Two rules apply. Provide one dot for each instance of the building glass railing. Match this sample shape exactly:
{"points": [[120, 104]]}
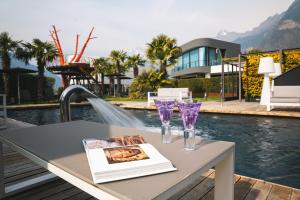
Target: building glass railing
{"points": [[201, 63]]}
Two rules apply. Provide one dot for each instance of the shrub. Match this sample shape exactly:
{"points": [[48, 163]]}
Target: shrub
{"points": [[147, 81], [252, 81], [209, 85]]}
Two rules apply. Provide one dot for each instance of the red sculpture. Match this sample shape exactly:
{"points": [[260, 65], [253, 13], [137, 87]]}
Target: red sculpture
{"points": [[76, 57]]}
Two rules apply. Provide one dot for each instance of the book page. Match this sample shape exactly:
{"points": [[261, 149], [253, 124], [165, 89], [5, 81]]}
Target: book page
{"points": [[100, 162], [113, 142]]}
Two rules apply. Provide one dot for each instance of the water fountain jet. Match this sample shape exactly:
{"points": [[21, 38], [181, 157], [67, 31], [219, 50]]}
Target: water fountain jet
{"points": [[107, 112]]}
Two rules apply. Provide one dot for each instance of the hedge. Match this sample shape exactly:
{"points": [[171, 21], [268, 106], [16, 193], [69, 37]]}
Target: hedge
{"points": [[209, 85], [252, 81]]}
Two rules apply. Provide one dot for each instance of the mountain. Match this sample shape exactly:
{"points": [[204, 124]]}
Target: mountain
{"points": [[280, 31], [264, 27], [287, 32], [18, 63]]}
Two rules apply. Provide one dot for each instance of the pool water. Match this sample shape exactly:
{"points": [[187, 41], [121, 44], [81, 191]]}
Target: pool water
{"points": [[266, 148]]}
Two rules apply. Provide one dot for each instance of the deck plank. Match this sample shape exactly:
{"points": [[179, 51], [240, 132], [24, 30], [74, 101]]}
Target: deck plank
{"points": [[184, 191], [25, 169], [16, 165], [211, 193], [64, 194], [259, 191], [279, 192], [243, 187], [40, 191], [295, 194], [24, 175], [201, 189], [80, 196], [27, 178]]}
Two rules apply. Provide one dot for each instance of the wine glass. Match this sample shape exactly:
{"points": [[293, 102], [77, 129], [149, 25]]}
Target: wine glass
{"points": [[189, 113], [165, 111]]}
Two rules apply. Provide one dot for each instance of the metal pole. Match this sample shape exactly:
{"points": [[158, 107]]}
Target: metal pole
{"points": [[281, 57], [19, 96], [240, 78], [222, 84], [232, 81], [228, 86]]}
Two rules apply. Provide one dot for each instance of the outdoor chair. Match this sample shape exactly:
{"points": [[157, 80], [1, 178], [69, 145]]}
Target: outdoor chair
{"points": [[285, 96], [169, 93]]}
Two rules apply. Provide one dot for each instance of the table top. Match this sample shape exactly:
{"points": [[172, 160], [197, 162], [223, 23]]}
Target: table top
{"points": [[61, 145]]}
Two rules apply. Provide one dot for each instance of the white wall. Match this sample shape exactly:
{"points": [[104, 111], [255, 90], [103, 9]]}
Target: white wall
{"points": [[217, 69]]}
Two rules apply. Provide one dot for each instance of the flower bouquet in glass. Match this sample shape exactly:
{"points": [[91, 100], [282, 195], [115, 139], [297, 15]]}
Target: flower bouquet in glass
{"points": [[165, 111], [189, 113]]}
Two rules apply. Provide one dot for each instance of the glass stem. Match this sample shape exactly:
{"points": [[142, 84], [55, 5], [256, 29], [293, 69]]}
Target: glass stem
{"points": [[166, 133], [189, 139]]}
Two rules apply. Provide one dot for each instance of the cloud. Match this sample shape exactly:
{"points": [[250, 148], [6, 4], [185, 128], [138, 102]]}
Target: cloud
{"points": [[130, 24]]}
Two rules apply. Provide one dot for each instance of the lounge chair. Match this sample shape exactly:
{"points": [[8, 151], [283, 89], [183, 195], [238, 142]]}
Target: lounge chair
{"points": [[169, 93], [285, 96]]}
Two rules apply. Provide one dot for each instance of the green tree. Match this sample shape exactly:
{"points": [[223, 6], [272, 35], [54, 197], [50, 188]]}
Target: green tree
{"points": [[43, 52], [255, 51], [104, 67], [147, 81], [163, 51], [8, 47], [134, 62], [118, 58]]}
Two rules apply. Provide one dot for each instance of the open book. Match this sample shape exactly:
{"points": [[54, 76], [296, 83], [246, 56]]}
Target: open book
{"points": [[124, 157]]}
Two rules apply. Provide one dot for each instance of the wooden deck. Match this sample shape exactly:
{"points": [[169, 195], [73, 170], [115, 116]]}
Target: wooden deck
{"points": [[18, 168]]}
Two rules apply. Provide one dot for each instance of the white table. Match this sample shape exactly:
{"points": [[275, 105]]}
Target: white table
{"points": [[58, 148]]}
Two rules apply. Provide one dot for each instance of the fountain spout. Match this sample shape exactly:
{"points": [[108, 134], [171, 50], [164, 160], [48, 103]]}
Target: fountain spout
{"points": [[65, 110]]}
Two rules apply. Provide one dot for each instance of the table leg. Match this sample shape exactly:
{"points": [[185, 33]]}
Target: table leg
{"points": [[2, 186], [224, 178]]}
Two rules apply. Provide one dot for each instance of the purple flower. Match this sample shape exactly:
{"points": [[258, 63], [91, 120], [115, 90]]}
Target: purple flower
{"points": [[189, 114], [165, 110]]}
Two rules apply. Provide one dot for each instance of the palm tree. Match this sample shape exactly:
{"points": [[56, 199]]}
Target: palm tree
{"points": [[103, 66], [118, 58], [163, 51], [147, 81], [7, 47], [135, 61], [43, 52]]}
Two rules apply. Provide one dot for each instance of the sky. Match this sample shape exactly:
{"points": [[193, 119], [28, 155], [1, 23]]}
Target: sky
{"points": [[130, 24]]}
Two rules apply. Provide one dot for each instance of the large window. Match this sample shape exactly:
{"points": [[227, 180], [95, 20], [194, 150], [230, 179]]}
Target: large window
{"points": [[179, 64], [194, 58], [202, 56], [199, 57], [186, 60], [212, 56]]}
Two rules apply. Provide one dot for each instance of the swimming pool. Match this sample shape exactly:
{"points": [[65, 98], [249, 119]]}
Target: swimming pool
{"points": [[266, 148]]}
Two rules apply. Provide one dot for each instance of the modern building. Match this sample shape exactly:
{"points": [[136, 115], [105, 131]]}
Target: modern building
{"points": [[203, 58]]}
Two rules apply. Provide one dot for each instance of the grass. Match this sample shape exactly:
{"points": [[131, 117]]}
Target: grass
{"points": [[122, 99], [208, 99]]}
